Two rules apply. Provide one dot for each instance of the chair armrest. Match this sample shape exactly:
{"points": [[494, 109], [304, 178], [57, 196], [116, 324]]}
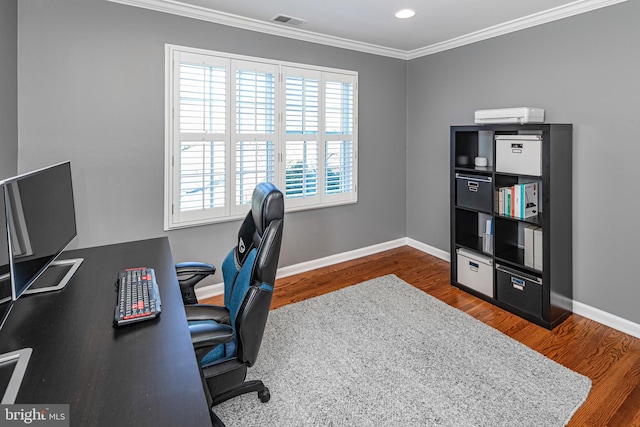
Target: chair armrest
{"points": [[189, 274], [192, 267], [210, 334], [207, 335], [207, 312]]}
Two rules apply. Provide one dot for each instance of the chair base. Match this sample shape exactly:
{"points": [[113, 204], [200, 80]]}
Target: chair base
{"points": [[246, 387], [227, 380]]}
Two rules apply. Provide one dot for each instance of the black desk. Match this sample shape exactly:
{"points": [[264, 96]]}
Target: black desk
{"points": [[142, 374]]}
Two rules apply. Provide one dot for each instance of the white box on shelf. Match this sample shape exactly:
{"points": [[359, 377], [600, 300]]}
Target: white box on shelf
{"points": [[520, 154], [475, 271], [510, 115]]}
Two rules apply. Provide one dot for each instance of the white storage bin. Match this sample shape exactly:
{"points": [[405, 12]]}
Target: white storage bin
{"points": [[521, 154], [475, 271]]}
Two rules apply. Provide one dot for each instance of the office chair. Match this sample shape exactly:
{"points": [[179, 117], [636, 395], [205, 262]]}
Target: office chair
{"points": [[227, 339]]}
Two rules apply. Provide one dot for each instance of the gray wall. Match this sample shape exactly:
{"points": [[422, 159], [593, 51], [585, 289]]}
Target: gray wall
{"points": [[101, 100], [100, 104], [8, 88], [582, 70]]}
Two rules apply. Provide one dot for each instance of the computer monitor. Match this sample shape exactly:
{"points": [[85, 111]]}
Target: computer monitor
{"points": [[40, 223]]}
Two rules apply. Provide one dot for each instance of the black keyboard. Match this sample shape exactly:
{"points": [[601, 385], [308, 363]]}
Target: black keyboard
{"points": [[138, 296]]}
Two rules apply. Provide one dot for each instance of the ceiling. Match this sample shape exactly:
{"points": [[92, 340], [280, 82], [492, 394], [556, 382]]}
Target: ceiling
{"points": [[370, 25]]}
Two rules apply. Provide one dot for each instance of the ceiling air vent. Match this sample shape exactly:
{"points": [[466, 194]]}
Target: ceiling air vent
{"points": [[289, 20]]}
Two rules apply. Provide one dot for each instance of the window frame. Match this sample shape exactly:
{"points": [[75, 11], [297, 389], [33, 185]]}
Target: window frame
{"points": [[174, 218]]}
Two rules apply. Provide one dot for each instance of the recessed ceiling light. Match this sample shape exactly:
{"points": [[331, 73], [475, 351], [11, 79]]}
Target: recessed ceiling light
{"points": [[405, 13]]}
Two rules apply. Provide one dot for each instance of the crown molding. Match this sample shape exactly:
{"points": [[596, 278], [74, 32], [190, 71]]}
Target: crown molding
{"points": [[204, 14], [555, 14], [196, 12]]}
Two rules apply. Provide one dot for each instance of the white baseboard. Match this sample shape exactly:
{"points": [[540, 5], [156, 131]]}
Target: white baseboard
{"points": [[438, 253], [218, 288], [303, 267], [607, 319], [209, 291], [595, 314]]}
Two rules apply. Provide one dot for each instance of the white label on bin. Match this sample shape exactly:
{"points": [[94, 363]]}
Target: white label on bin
{"points": [[518, 283]]}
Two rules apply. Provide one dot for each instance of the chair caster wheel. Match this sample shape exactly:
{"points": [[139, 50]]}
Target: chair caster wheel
{"points": [[264, 395]]}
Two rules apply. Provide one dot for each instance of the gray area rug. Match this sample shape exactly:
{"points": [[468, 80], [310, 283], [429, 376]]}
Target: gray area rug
{"points": [[385, 353]]}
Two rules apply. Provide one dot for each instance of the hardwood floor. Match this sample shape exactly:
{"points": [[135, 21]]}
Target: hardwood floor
{"points": [[609, 357]]}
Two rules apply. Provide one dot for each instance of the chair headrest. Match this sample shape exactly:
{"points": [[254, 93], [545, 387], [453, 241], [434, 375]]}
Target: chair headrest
{"points": [[267, 204]]}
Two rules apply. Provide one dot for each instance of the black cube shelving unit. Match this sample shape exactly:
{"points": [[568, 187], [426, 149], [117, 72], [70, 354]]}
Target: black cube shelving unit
{"points": [[551, 301]]}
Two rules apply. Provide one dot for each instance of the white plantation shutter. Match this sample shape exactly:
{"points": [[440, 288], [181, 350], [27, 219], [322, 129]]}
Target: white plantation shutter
{"points": [[339, 147], [301, 173], [233, 122], [203, 98], [202, 175], [302, 130], [302, 102], [200, 112], [338, 167], [255, 123], [254, 164]]}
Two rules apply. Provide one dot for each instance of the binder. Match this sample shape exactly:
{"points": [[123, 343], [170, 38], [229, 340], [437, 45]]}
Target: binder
{"points": [[537, 248], [528, 246]]}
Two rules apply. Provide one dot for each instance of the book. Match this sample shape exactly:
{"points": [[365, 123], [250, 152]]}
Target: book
{"points": [[529, 199], [507, 202], [517, 201], [513, 202]]}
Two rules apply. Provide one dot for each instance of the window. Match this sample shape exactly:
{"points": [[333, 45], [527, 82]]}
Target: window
{"points": [[233, 122]]}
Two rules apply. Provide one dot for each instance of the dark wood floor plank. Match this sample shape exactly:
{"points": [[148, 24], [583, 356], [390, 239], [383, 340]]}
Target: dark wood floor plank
{"points": [[609, 357]]}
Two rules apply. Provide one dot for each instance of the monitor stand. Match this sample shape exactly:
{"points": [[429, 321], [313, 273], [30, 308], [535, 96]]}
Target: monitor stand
{"points": [[13, 366], [58, 272], [6, 303]]}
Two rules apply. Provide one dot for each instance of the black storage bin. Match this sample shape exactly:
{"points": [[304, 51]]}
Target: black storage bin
{"points": [[474, 192], [520, 290]]}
